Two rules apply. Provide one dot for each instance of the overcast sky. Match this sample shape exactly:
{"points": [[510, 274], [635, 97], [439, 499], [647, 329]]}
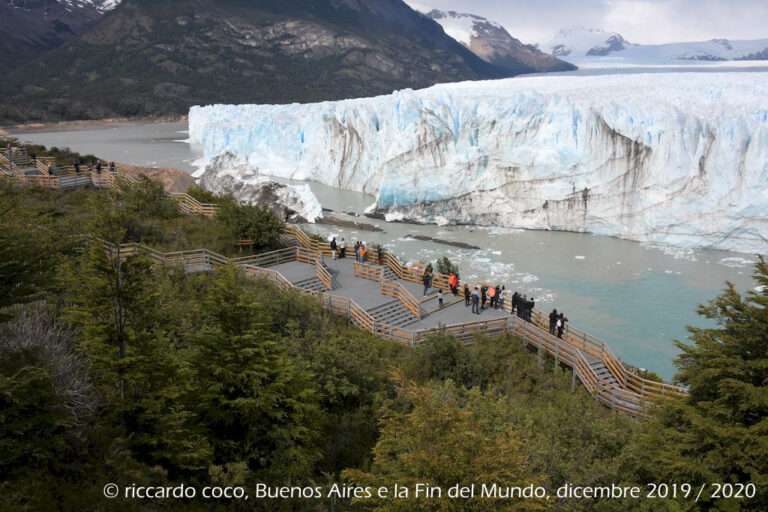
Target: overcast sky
{"points": [[639, 21]]}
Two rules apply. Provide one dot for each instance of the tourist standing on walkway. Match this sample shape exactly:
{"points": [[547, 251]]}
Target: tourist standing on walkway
{"points": [[529, 309], [515, 303], [342, 249], [492, 295], [453, 282], [426, 278], [112, 167], [553, 321], [522, 301], [440, 298], [561, 325], [333, 247], [380, 254], [362, 253], [475, 302], [467, 295], [501, 296], [483, 296]]}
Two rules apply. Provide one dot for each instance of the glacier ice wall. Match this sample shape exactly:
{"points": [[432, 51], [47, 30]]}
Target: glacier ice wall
{"points": [[678, 158]]}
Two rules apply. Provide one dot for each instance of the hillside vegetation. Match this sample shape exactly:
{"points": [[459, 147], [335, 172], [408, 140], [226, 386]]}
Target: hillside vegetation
{"points": [[132, 374]]}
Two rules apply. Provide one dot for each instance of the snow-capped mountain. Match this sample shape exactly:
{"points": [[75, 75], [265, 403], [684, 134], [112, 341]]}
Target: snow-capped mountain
{"points": [[713, 50], [31, 28], [678, 158], [580, 41], [99, 5], [492, 43]]}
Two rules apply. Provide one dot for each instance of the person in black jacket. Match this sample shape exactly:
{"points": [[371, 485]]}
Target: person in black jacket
{"points": [[333, 247], [553, 321], [467, 295], [426, 278], [561, 325]]}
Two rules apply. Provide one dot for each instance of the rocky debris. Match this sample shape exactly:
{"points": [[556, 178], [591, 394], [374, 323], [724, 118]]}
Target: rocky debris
{"points": [[460, 245], [362, 226]]}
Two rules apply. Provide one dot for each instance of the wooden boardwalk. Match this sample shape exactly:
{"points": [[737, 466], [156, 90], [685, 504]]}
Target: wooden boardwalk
{"points": [[387, 309], [385, 300]]}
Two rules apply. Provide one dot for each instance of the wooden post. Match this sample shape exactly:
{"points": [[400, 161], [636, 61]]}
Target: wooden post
{"points": [[538, 355], [573, 379]]}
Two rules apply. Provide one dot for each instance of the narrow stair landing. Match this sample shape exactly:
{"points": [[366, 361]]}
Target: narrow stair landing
{"points": [[393, 313]]}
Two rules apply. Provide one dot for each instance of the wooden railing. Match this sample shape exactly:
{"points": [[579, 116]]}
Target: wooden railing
{"points": [[43, 164], [398, 291], [192, 206], [267, 259], [323, 274], [467, 332], [366, 271], [305, 255]]}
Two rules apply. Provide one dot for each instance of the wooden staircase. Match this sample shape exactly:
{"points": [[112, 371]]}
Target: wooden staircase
{"points": [[393, 313], [312, 283]]}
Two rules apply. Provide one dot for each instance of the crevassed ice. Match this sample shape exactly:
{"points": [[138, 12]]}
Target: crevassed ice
{"points": [[675, 158]]}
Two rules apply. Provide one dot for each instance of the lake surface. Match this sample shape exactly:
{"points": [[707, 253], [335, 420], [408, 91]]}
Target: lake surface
{"points": [[636, 297]]}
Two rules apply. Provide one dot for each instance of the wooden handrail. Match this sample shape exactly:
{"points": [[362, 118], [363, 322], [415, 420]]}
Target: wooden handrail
{"points": [[398, 291], [366, 271], [322, 274]]}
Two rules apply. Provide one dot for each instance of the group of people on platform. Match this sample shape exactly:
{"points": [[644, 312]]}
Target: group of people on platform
{"points": [[339, 251], [493, 296], [91, 167]]}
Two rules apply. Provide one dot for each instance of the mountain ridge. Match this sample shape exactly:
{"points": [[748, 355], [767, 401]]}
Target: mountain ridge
{"points": [[582, 42], [493, 43], [31, 28], [147, 58]]}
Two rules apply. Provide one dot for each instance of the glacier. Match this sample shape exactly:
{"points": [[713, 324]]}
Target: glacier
{"points": [[672, 158]]}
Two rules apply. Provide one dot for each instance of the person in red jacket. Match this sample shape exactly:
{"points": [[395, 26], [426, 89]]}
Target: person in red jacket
{"points": [[453, 282]]}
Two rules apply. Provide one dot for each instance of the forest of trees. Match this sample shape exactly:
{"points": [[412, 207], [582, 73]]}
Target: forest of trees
{"points": [[126, 373]]}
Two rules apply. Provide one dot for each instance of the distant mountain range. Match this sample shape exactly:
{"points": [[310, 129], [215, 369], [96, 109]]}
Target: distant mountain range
{"points": [[579, 42], [31, 28], [582, 42], [149, 57], [491, 42]]}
